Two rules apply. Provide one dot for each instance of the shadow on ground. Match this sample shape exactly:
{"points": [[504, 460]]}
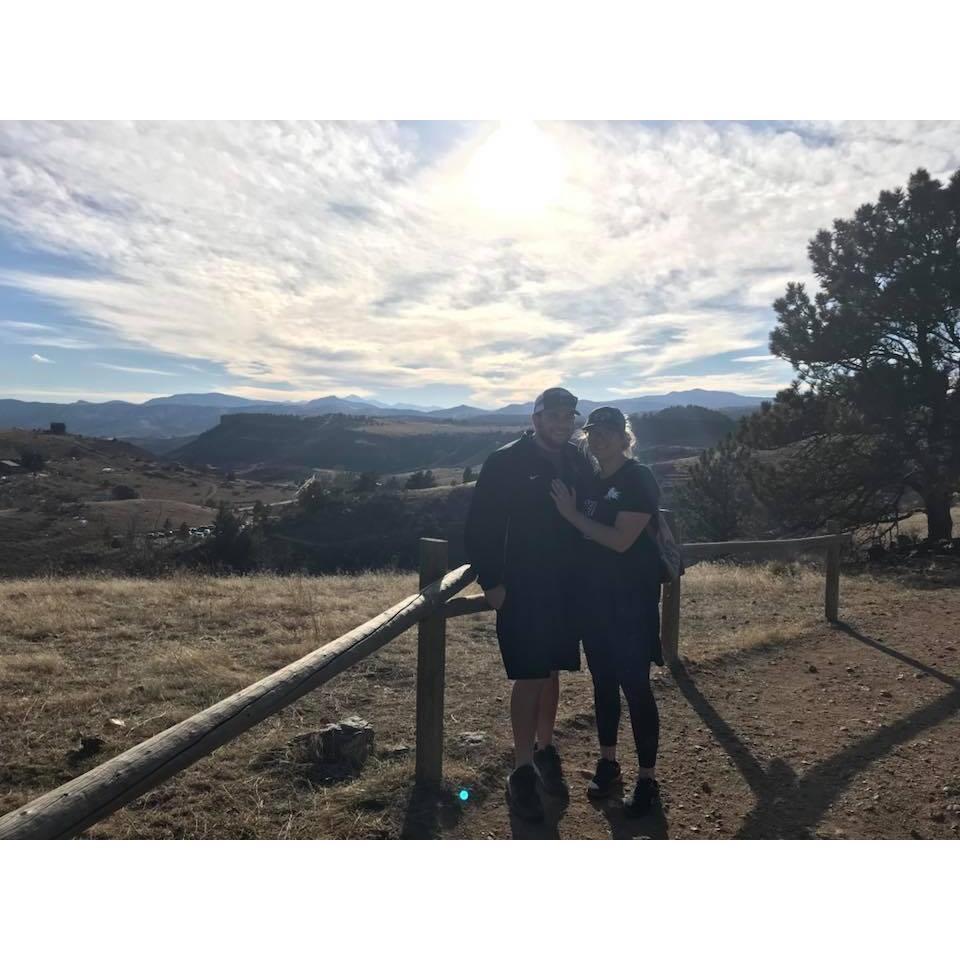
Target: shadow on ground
{"points": [[548, 830], [654, 826], [791, 807], [431, 811]]}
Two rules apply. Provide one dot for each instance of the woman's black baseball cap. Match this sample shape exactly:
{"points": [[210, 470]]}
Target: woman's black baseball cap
{"points": [[606, 417]]}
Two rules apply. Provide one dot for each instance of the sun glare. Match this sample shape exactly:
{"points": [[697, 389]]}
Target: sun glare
{"points": [[517, 171]]}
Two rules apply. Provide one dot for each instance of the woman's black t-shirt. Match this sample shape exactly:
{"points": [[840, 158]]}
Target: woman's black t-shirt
{"points": [[633, 489]]}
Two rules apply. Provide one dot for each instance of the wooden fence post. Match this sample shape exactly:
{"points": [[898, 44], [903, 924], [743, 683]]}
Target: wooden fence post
{"points": [[831, 600], [431, 661], [670, 608]]}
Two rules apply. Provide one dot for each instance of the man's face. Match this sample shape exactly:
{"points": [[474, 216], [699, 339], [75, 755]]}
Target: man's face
{"points": [[554, 427]]}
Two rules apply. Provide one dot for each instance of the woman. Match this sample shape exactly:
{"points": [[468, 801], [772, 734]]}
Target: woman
{"points": [[617, 515]]}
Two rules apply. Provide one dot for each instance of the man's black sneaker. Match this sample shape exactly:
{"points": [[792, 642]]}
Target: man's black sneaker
{"points": [[645, 795], [522, 794], [605, 779], [547, 764]]}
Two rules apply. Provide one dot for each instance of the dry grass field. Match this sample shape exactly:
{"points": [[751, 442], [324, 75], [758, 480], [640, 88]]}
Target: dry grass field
{"points": [[147, 514], [778, 725], [916, 525]]}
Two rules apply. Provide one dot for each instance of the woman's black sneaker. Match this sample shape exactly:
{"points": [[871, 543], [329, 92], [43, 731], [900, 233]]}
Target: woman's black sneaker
{"points": [[547, 764], [522, 794], [605, 779], [645, 794]]}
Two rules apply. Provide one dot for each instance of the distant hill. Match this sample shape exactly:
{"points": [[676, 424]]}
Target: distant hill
{"points": [[688, 426], [296, 445], [396, 406], [202, 400], [462, 412], [330, 404], [334, 441], [189, 414], [157, 445], [710, 399], [112, 419], [67, 517]]}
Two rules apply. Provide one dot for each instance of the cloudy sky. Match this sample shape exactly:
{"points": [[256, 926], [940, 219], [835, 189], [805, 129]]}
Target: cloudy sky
{"points": [[435, 263]]}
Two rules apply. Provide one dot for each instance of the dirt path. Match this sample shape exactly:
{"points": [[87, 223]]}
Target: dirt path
{"points": [[852, 731]]}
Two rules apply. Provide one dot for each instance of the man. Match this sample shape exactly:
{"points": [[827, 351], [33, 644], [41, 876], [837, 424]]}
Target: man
{"points": [[524, 554]]}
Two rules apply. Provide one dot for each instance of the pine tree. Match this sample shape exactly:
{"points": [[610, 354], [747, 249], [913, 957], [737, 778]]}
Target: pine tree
{"points": [[878, 346]]}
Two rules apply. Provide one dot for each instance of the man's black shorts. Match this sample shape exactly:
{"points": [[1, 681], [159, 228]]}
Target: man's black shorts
{"points": [[538, 630]]}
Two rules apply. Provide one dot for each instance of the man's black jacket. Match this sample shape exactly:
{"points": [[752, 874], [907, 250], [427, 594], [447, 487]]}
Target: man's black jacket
{"points": [[514, 533]]}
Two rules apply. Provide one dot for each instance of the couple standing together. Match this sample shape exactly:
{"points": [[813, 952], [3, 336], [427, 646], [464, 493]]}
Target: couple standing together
{"points": [[563, 541]]}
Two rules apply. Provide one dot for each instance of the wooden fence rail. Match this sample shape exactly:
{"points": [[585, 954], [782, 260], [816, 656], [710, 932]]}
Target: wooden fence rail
{"points": [[89, 798], [757, 550], [71, 808]]}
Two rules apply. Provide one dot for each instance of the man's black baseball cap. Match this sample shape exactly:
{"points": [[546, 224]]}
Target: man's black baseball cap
{"points": [[606, 417], [556, 398]]}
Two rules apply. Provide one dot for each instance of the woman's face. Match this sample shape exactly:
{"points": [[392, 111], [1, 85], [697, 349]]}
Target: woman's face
{"points": [[604, 443]]}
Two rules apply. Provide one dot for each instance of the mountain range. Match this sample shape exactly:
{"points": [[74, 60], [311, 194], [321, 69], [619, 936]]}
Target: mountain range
{"points": [[188, 414]]}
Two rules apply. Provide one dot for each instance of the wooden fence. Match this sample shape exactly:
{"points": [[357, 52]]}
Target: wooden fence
{"points": [[69, 809], [752, 550]]}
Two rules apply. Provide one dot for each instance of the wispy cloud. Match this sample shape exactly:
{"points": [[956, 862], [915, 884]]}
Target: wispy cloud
{"points": [[348, 258], [734, 382], [38, 359], [147, 370], [55, 340], [23, 325]]}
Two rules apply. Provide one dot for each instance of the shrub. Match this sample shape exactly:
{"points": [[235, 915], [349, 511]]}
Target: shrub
{"points": [[420, 480], [231, 546], [717, 503], [311, 495], [367, 482]]}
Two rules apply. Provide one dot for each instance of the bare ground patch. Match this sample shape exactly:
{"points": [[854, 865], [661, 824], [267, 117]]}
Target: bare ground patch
{"points": [[148, 514]]}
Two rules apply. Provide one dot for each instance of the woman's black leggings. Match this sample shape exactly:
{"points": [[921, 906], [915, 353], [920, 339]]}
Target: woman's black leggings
{"points": [[619, 659]]}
